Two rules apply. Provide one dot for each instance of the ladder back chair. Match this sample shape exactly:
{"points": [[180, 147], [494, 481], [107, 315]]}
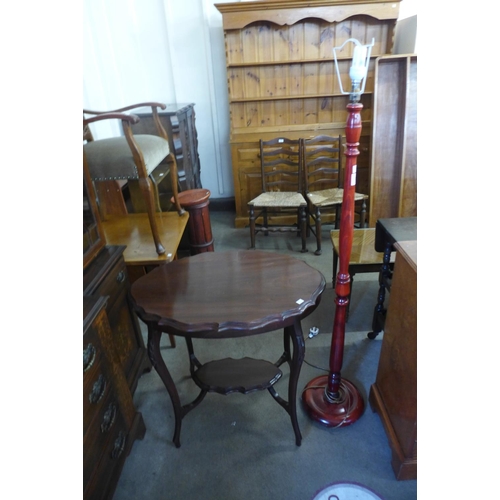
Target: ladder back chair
{"points": [[131, 157], [321, 158], [281, 190]]}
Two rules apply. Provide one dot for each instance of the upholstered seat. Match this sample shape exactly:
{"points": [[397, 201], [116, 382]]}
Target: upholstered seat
{"points": [[112, 159]]}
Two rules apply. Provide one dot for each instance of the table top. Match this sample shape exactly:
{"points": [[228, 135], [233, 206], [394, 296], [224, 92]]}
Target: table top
{"points": [[228, 294], [134, 232], [393, 230], [363, 246], [408, 250]]}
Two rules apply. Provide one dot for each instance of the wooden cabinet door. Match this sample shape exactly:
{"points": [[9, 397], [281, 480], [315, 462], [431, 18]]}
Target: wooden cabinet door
{"points": [[247, 177]]}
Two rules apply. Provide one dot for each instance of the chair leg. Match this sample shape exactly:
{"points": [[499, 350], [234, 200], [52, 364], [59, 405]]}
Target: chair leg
{"points": [[147, 191], [362, 216], [309, 219], [252, 226], [337, 216], [318, 232], [303, 227], [156, 194], [174, 179], [266, 222], [335, 264]]}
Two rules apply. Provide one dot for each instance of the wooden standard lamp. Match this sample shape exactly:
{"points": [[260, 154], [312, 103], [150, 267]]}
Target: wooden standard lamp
{"points": [[329, 399]]}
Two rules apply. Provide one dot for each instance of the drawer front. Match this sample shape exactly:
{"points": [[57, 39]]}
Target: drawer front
{"points": [[92, 354], [113, 283], [103, 428], [103, 451], [124, 333], [96, 377], [122, 320]]}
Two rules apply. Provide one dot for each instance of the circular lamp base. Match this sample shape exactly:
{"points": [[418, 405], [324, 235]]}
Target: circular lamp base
{"points": [[340, 413]]}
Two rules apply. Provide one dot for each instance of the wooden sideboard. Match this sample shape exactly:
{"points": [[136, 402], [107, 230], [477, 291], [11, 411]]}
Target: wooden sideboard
{"points": [[282, 81], [394, 394]]}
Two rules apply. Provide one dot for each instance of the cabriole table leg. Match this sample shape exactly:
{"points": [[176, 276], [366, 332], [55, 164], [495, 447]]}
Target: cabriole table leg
{"points": [[159, 365]]}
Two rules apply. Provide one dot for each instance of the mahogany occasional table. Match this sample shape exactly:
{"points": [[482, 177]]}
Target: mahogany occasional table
{"points": [[218, 295]]}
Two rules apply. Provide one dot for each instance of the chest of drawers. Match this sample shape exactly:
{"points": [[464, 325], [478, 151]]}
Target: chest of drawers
{"points": [[110, 422], [114, 359], [107, 276]]}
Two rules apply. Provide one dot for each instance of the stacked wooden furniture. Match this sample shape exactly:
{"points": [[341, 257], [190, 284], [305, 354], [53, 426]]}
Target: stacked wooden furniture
{"points": [[282, 80], [114, 357], [120, 197], [393, 185], [149, 235]]}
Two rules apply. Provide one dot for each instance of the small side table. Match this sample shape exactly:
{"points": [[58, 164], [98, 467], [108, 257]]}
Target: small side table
{"points": [[221, 295], [364, 258], [195, 202]]}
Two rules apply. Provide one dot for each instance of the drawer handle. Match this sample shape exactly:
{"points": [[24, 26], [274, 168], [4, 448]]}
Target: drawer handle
{"points": [[120, 278], [119, 445], [98, 389], [109, 418], [88, 357]]}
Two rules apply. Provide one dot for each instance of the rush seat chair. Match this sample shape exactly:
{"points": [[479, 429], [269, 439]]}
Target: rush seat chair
{"points": [[323, 183], [281, 194]]}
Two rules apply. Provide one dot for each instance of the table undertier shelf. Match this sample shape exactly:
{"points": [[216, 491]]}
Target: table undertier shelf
{"points": [[244, 375]]}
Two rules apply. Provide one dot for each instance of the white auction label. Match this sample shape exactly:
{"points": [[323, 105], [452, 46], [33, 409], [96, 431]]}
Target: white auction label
{"points": [[353, 175]]}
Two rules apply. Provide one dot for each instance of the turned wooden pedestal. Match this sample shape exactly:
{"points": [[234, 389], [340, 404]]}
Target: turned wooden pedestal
{"points": [[195, 202]]}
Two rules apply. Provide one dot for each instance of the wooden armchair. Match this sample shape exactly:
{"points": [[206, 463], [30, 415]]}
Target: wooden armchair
{"points": [[131, 157]]}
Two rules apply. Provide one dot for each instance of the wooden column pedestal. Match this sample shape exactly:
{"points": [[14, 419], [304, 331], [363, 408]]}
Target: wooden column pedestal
{"points": [[195, 202]]}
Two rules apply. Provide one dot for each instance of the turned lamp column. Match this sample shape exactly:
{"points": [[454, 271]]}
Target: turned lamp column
{"points": [[330, 399]]}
